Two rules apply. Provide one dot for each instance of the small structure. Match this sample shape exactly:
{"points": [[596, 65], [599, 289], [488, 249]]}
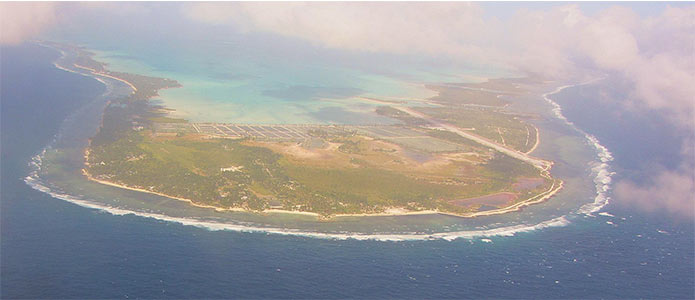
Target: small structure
{"points": [[232, 169]]}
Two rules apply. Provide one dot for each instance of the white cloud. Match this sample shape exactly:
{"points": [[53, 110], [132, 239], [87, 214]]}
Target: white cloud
{"points": [[656, 54], [670, 191], [383, 27], [22, 21], [121, 8]]}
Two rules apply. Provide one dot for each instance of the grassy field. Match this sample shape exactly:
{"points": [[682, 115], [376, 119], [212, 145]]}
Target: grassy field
{"points": [[331, 174], [456, 96], [496, 126], [356, 175]]}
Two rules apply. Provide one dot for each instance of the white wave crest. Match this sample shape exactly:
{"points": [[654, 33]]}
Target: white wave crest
{"points": [[601, 172], [37, 184], [34, 180], [601, 169]]}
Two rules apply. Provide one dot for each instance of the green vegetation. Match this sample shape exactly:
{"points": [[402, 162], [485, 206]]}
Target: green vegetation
{"points": [[452, 137], [147, 86], [407, 119], [257, 176], [331, 173], [457, 96], [167, 120], [360, 190], [502, 128]]}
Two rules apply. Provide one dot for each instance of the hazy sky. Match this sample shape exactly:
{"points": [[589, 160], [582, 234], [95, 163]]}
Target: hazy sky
{"points": [[651, 46]]}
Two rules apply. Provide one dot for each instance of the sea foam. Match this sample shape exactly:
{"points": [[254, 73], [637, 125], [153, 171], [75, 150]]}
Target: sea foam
{"points": [[37, 184], [600, 171]]}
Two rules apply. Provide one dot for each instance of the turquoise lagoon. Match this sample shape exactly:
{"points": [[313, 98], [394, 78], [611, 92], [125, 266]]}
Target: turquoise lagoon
{"points": [[579, 160], [232, 77], [243, 79], [217, 88]]}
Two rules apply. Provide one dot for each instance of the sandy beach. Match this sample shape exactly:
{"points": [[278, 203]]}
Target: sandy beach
{"points": [[388, 212], [391, 211], [95, 72], [538, 141]]}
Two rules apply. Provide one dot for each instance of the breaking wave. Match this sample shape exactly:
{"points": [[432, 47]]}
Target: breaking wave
{"points": [[600, 170], [35, 182]]}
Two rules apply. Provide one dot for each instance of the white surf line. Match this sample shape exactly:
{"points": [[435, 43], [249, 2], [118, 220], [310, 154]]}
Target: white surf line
{"points": [[538, 163], [538, 140], [602, 172], [517, 206], [35, 182], [95, 72]]}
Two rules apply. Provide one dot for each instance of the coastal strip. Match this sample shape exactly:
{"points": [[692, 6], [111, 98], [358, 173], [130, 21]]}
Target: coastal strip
{"points": [[34, 181], [95, 72], [602, 170], [538, 141], [554, 188], [388, 211], [541, 164]]}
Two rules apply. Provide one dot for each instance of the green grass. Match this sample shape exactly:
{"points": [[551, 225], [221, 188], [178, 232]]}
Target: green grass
{"points": [[191, 169], [486, 123], [167, 120], [369, 186], [454, 96]]}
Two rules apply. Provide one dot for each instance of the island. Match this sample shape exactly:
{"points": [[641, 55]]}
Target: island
{"points": [[461, 153]]}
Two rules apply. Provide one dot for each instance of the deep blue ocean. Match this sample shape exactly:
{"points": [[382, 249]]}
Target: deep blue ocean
{"points": [[51, 248]]}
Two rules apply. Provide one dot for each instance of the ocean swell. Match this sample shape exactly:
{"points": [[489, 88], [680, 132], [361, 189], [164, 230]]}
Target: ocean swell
{"points": [[35, 182], [600, 169], [601, 172]]}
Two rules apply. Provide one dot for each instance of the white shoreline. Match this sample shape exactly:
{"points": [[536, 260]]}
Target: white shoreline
{"points": [[538, 140], [216, 226], [34, 181], [602, 172], [95, 72], [515, 207], [512, 208]]}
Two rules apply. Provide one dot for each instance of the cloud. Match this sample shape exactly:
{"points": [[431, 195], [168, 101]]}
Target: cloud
{"points": [[22, 21], [670, 191], [382, 27], [656, 54], [120, 9]]}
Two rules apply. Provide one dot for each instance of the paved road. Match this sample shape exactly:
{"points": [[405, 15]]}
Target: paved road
{"points": [[536, 162]]}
